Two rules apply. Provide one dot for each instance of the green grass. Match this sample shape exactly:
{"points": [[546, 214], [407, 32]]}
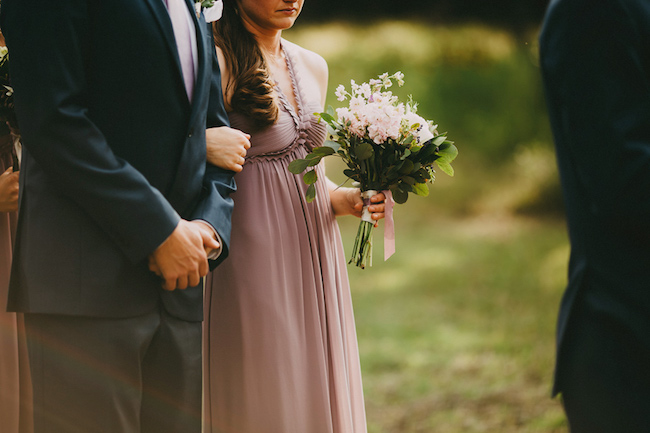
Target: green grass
{"points": [[457, 329]]}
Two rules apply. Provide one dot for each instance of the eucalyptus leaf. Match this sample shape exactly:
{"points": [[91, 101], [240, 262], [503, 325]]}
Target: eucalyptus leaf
{"points": [[407, 167], [297, 166], [399, 196], [409, 180], [437, 141], [328, 118], [310, 195], [363, 150], [447, 151], [323, 151], [445, 167], [405, 187], [335, 146], [314, 162], [421, 189], [310, 177]]}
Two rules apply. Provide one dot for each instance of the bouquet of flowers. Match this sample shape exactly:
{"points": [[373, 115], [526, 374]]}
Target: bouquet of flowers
{"points": [[386, 146]]}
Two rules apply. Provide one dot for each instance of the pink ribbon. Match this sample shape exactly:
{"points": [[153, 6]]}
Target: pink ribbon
{"points": [[389, 225]]}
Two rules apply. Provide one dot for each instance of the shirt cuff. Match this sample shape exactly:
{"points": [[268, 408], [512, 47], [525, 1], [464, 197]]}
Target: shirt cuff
{"points": [[214, 254]]}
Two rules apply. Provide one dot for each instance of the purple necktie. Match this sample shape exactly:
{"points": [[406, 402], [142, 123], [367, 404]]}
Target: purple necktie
{"points": [[185, 40]]}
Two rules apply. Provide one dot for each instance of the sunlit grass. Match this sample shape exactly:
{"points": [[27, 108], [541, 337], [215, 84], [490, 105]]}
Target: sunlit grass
{"points": [[456, 331]]}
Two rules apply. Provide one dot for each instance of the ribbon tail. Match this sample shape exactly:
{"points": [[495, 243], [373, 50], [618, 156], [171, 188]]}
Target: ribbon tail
{"points": [[389, 226]]}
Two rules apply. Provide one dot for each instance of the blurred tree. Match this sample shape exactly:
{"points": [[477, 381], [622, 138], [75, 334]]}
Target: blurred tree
{"points": [[515, 14]]}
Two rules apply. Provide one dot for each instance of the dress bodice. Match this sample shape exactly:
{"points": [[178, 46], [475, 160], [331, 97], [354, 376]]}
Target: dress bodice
{"points": [[292, 130]]}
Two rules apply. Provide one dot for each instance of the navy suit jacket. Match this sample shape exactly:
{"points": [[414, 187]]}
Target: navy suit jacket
{"points": [[595, 58], [114, 154]]}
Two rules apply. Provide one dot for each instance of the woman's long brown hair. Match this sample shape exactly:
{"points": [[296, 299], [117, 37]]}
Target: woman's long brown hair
{"points": [[249, 83]]}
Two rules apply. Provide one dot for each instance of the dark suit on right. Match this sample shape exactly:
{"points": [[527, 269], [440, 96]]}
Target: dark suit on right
{"points": [[595, 58]]}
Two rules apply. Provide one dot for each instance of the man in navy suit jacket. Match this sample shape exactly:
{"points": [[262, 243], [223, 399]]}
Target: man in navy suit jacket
{"points": [[114, 180], [595, 58]]}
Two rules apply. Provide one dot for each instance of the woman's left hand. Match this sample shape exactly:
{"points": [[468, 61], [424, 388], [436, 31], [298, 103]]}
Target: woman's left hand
{"points": [[348, 201]]}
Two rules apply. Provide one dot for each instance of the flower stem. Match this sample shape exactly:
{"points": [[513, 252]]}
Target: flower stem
{"points": [[362, 249]]}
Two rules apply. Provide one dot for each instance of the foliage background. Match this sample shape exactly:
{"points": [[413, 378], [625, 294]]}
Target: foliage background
{"points": [[456, 331]]}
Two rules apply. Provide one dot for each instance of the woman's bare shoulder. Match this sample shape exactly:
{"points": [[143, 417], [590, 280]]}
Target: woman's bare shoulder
{"points": [[311, 60]]}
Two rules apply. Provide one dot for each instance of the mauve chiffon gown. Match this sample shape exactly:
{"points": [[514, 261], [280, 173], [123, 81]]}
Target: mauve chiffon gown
{"points": [[15, 384], [281, 351]]}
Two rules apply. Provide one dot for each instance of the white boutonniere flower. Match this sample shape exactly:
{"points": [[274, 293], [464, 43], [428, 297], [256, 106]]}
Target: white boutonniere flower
{"points": [[212, 9]]}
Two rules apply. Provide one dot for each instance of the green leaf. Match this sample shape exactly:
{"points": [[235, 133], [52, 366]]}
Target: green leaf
{"points": [[310, 177], [314, 162], [439, 140], [331, 111], [421, 189], [363, 150], [447, 152], [323, 151], [447, 147], [407, 167], [310, 195], [335, 146], [328, 118], [445, 167], [409, 180], [399, 196], [297, 166], [407, 153], [405, 187]]}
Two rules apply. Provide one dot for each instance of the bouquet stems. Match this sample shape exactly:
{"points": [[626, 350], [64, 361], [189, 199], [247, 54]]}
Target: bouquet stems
{"points": [[362, 249]]}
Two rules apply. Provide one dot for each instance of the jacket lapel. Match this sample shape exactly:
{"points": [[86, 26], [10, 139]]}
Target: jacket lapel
{"points": [[159, 11], [202, 77]]}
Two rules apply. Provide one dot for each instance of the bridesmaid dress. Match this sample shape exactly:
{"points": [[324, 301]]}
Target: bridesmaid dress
{"points": [[15, 383], [280, 352]]}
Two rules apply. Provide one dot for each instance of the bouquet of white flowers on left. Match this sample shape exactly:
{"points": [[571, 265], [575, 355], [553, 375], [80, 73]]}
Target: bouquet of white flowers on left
{"points": [[386, 146]]}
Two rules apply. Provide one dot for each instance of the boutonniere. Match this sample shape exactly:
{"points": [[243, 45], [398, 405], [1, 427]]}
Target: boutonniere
{"points": [[212, 9]]}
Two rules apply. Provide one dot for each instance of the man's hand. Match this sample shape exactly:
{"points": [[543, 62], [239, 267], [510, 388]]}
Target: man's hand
{"points": [[181, 260], [9, 191]]}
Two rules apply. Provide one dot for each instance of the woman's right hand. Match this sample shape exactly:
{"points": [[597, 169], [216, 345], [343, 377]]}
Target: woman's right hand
{"points": [[227, 147], [9, 191]]}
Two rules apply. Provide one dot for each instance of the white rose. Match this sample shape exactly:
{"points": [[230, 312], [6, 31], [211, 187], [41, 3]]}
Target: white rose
{"points": [[213, 13]]}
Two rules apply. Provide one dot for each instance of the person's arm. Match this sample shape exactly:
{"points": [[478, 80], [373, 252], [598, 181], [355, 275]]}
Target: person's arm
{"points": [[215, 206], [9, 191], [595, 65], [48, 42]]}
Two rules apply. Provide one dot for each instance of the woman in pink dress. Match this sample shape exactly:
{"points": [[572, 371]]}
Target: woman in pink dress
{"points": [[281, 351], [15, 388]]}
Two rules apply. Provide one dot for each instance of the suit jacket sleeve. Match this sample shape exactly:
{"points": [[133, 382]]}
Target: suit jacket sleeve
{"points": [[215, 205], [48, 41], [595, 67]]}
